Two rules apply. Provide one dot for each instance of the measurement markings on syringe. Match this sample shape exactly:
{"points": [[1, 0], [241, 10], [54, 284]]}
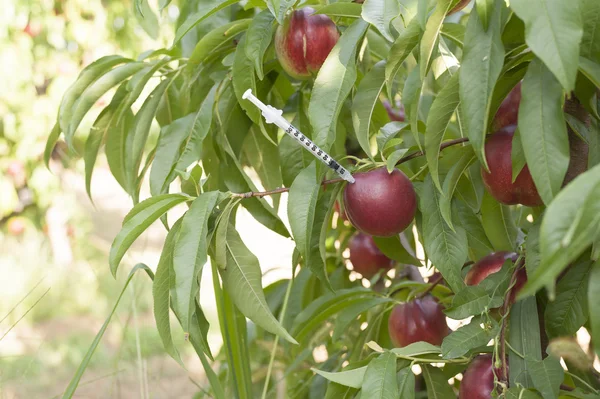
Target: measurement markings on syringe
{"points": [[316, 150]]}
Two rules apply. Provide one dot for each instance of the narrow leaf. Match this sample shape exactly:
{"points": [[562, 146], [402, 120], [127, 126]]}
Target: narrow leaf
{"points": [[590, 42], [380, 14], [547, 375], [544, 138], [147, 18], [402, 47], [431, 34], [468, 337], [524, 337], [367, 96], [340, 9], [593, 295], [471, 301], [242, 281], [137, 220], [498, 224], [406, 383], [437, 383], [380, 378], [446, 248], [258, 38], [333, 84], [553, 31], [442, 109], [350, 378], [52, 139], [190, 255], [481, 66], [216, 40], [198, 17]]}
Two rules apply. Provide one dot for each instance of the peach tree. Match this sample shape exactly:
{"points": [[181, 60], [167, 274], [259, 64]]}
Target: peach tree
{"points": [[472, 130]]}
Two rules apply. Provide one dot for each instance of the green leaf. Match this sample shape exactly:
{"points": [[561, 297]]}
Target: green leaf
{"points": [[52, 139], [481, 66], [591, 70], [70, 391], [147, 18], [139, 135], [348, 315], [326, 306], [454, 32], [451, 181], [216, 40], [498, 224], [568, 228], [442, 109], [417, 349], [190, 254], [244, 79], [302, 202], [88, 76], [333, 84], [402, 47], [242, 281], [446, 248], [137, 220], [569, 310], [264, 158], [547, 375], [431, 34], [238, 181], [98, 132], [545, 143], [471, 301], [198, 17], [553, 31], [367, 96], [279, 8], [340, 9], [387, 133], [532, 245], [479, 245], [161, 293], [524, 337], [350, 378], [94, 91], [593, 295], [590, 42], [411, 95], [380, 14], [393, 159], [406, 384], [484, 10], [437, 383], [468, 337], [393, 248], [517, 155], [380, 377], [258, 38], [116, 152]]}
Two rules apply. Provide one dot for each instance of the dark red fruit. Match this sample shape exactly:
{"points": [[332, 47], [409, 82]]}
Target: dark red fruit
{"points": [[491, 264], [380, 203], [498, 181], [461, 4], [478, 379], [487, 265], [366, 258], [304, 41], [418, 320], [395, 114], [508, 112]]}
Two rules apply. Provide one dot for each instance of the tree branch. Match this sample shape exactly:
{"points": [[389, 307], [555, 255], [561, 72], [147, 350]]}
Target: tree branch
{"points": [[407, 158]]}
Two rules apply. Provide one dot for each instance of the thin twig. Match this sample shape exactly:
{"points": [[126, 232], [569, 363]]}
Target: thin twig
{"points": [[407, 158], [504, 313], [431, 286]]}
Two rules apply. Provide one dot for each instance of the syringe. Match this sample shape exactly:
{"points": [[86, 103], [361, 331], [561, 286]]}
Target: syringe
{"points": [[273, 115]]}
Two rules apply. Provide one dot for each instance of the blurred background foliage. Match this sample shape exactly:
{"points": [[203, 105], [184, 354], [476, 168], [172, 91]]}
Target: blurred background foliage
{"points": [[55, 285]]}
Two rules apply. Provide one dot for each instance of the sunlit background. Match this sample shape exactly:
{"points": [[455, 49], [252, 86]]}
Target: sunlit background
{"points": [[56, 289]]}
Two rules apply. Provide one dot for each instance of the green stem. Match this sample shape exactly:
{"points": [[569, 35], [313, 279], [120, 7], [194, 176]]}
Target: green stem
{"points": [[276, 342], [591, 388]]}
